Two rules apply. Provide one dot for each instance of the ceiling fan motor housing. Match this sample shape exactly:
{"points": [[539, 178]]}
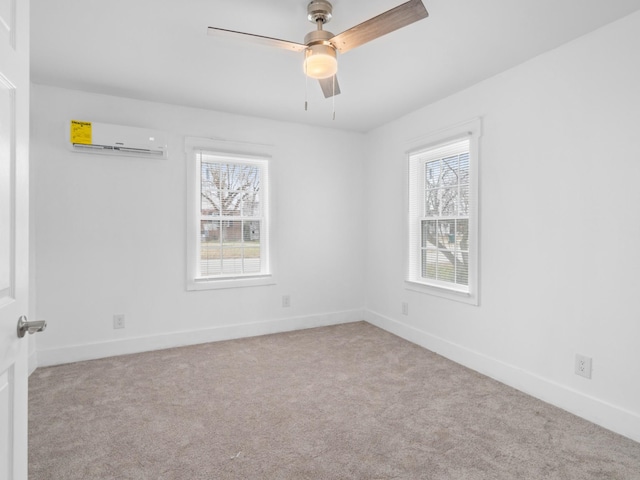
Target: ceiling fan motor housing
{"points": [[318, 37], [317, 42], [319, 10]]}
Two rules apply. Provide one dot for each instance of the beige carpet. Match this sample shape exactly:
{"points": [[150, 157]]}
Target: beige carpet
{"points": [[342, 402]]}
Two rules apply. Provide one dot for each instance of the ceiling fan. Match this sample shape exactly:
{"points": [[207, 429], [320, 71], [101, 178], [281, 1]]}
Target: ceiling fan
{"points": [[320, 46]]}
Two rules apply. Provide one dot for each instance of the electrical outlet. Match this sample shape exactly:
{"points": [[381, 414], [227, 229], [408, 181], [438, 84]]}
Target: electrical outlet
{"points": [[405, 308], [286, 301], [118, 321], [583, 366]]}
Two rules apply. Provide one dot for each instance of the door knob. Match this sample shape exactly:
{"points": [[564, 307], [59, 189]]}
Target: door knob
{"points": [[32, 327]]}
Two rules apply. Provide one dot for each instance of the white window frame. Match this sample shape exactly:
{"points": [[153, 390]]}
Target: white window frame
{"points": [[470, 130], [239, 153]]}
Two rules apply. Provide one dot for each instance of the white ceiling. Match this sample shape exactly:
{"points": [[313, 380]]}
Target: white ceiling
{"points": [[159, 50]]}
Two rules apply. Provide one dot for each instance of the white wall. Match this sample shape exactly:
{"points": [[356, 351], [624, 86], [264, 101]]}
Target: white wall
{"points": [[560, 228], [110, 231]]}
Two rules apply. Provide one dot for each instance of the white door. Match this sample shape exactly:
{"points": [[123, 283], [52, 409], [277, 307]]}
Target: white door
{"points": [[14, 234]]}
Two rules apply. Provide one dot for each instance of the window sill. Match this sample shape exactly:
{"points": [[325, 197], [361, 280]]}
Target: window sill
{"points": [[442, 292], [235, 282]]}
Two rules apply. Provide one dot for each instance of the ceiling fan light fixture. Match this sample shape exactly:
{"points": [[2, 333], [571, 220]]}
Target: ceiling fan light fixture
{"points": [[320, 61]]}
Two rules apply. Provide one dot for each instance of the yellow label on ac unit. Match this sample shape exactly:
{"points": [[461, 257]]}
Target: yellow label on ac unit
{"points": [[80, 132]]}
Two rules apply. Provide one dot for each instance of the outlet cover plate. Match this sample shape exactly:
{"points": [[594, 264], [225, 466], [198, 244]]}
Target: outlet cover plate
{"points": [[583, 366], [118, 321]]}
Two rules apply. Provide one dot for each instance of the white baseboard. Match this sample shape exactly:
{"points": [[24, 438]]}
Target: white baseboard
{"points": [[602, 413], [125, 346]]}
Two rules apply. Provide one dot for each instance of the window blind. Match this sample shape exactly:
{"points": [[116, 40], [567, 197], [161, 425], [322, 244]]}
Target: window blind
{"points": [[233, 224], [439, 209]]}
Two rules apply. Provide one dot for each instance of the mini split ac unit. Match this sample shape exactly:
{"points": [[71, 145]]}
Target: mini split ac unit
{"points": [[104, 138]]}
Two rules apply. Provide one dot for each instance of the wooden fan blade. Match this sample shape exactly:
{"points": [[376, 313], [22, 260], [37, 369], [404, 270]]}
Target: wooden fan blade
{"points": [[375, 27], [259, 39], [328, 87]]}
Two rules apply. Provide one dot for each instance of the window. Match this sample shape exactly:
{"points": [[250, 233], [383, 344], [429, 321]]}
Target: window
{"points": [[229, 241], [443, 233]]}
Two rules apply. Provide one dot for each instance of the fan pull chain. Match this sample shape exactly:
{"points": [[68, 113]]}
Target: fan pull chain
{"points": [[333, 97], [306, 83]]}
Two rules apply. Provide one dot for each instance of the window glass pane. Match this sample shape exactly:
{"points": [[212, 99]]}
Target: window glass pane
{"points": [[464, 201], [429, 232], [251, 246], [450, 171], [250, 205], [433, 172], [209, 231], [210, 261], [231, 233], [209, 188], [446, 266], [432, 203], [462, 268], [230, 203], [252, 265], [462, 235], [231, 260], [448, 201], [210, 249], [429, 260], [251, 232], [446, 233], [464, 168]]}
